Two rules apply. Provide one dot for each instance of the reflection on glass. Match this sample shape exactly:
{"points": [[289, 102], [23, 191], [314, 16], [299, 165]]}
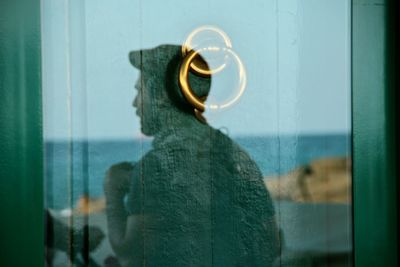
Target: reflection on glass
{"points": [[211, 39], [186, 87], [196, 198], [265, 182]]}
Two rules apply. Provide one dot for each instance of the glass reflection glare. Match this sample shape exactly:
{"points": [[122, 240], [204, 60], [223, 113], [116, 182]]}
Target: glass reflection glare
{"points": [[194, 100], [206, 39]]}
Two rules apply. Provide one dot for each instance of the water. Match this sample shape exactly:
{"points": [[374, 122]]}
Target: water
{"points": [[78, 167]]}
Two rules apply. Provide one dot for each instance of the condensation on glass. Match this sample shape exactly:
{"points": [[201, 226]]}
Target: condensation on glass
{"points": [[181, 133]]}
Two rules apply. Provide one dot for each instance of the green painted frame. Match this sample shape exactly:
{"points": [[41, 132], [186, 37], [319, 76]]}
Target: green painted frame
{"points": [[374, 133], [21, 160], [375, 146]]}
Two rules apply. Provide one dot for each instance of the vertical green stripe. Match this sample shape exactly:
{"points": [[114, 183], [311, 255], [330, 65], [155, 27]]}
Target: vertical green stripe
{"points": [[21, 180], [375, 181]]}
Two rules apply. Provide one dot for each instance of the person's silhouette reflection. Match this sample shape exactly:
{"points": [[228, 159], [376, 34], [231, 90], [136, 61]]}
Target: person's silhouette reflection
{"points": [[196, 198]]}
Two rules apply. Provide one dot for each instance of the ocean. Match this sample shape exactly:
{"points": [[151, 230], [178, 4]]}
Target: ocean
{"points": [[78, 167]]}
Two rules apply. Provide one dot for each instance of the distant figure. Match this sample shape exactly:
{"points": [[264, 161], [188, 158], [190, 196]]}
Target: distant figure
{"points": [[196, 198]]}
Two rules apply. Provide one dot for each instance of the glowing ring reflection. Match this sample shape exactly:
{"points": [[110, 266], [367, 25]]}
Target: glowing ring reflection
{"points": [[197, 65], [196, 101]]}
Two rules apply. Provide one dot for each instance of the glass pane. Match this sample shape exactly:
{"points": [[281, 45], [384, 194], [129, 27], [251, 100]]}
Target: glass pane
{"points": [[183, 133]]}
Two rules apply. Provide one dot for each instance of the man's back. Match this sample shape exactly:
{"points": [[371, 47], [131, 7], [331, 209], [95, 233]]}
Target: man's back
{"points": [[203, 202]]}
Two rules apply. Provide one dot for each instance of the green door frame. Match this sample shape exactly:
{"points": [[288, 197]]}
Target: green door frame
{"points": [[374, 131], [21, 164], [375, 147]]}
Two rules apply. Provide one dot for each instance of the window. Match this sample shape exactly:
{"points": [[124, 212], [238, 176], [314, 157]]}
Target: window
{"points": [[288, 135]]}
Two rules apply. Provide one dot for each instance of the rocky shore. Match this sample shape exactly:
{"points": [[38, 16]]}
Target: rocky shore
{"points": [[322, 181]]}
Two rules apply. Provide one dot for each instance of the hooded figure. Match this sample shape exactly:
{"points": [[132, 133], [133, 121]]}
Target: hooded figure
{"points": [[196, 198]]}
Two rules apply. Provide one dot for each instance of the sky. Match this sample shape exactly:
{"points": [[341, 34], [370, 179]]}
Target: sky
{"points": [[296, 55]]}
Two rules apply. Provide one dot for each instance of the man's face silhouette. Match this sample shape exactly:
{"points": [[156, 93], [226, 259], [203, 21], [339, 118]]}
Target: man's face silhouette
{"points": [[147, 108], [158, 90]]}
